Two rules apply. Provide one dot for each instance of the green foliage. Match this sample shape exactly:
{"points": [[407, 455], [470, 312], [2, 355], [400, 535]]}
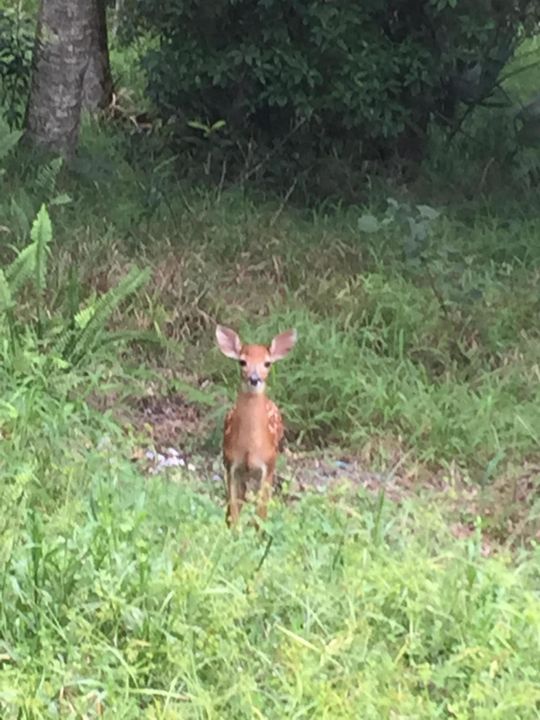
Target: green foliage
{"points": [[33, 259], [494, 147], [426, 254], [421, 317], [69, 337], [16, 44], [43, 178], [359, 80], [88, 327], [382, 377], [46, 180], [8, 141], [41, 235], [434, 351]]}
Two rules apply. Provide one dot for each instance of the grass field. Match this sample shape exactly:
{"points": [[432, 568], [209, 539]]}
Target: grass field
{"points": [[125, 595], [406, 585]]}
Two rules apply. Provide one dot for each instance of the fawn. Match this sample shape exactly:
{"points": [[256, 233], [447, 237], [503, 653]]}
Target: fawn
{"points": [[253, 431]]}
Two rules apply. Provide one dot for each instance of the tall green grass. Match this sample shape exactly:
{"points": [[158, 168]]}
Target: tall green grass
{"points": [[339, 389], [127, 596]]}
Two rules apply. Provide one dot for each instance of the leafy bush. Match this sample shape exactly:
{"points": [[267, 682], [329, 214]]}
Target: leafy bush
{"points": [[16, 44], [365, 79]]}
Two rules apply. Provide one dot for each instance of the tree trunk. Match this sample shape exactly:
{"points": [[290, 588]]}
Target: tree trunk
{"points": [[61, 56], [98, 86]]}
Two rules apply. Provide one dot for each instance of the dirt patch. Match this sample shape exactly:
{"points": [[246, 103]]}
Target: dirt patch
{"points": [[169, 420], [306, 471], [159, 420]]}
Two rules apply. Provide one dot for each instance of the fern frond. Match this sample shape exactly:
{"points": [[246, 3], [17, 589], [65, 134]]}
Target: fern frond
{"points": [[8, 140], [47, 176], [83, 317], [86, 339], [6, 298], [20, 217], [61, 199], [22, 268], [41, 235], [66, 340], [73, 292]]}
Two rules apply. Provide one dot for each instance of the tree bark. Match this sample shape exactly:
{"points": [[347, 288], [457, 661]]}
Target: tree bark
{"points": [[98, 85], [61, 56]]}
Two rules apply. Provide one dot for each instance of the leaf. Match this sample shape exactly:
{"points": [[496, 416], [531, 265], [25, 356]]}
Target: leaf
{"points": [[20, 217], [6, 298], [85, 339], [198, 126], [418, 231], [368, 224], [22, 268], [61, 199], [41, 235], [8, 142], [428, 212], [47, 175], [83, 317]]}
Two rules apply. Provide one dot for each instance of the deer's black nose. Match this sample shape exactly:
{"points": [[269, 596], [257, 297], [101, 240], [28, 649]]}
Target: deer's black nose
{"points": [[254, 380]]}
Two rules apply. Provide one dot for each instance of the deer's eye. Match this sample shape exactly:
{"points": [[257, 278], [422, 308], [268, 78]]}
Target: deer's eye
{"points": [[267, 363], [243, 363]]}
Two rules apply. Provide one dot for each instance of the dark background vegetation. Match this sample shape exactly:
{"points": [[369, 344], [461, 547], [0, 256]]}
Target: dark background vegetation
{"points": [[317, 82]]}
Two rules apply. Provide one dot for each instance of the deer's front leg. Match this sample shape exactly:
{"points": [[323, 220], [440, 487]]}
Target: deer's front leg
{"points": [[236, 491]]}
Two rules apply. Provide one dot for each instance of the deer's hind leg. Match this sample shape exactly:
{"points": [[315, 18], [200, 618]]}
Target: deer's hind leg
{"points": [[265, 490]]}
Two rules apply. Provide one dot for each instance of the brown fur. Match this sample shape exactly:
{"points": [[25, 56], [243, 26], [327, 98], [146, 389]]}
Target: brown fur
{"points": [[253, 431]]}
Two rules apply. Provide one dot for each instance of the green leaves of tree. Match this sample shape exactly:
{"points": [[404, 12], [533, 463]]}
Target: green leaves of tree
{"points": [[366, 77]]}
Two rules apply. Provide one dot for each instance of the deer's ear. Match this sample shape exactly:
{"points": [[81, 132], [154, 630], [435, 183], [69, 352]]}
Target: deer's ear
{"points": [[282, 344], [228, 342]]}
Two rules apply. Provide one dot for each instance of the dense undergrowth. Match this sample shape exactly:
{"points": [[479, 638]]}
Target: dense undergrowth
{"points": [[124, 595]]}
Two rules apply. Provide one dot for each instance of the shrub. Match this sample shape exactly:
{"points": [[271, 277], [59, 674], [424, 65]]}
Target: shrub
{"points": [[365, 80], [16, 43]]}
